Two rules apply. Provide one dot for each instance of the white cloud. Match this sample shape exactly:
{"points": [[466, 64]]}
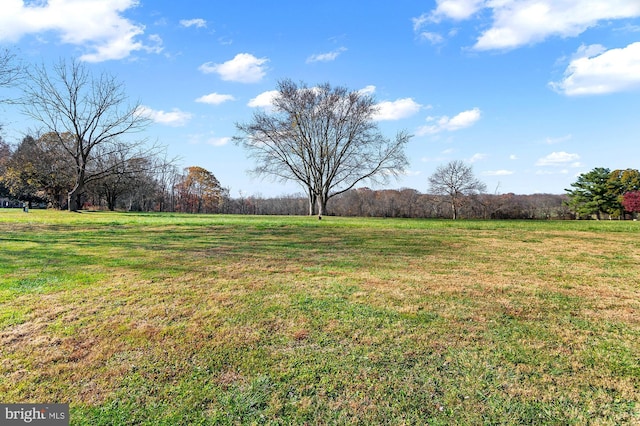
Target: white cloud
{"points": [[517, 23], [396, 110], [513, 157], [326, 57], [215, 141], [174, 118], [498, 172], [431, 37], [455, 9], [215, 98], [558, 159], [369, 90], [444, 123], [209, 139], [243, 68], [263, 100], [198, 23], [595, 72], [477, 157], [97, 26]]}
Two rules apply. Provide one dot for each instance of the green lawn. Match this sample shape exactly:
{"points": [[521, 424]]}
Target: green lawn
{"points": [[191, 319]]}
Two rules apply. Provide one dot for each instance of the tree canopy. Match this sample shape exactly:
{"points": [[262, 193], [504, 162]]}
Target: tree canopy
{"points": [[631, 201], [199, 191], [601, 191], [323, 138]]}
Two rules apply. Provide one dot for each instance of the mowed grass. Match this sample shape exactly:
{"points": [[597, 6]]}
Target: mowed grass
{"points": [[166, 319]]}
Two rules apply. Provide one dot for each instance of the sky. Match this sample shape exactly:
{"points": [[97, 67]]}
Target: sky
{"points": [[531, 93]]}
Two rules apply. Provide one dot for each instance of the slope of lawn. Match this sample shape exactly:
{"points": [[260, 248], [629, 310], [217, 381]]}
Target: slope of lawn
{"points": [[186, 319]]}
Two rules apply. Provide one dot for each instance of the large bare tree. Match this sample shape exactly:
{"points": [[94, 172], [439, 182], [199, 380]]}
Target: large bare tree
{"points": [[456, 181], [94, 111], [324, 138]]}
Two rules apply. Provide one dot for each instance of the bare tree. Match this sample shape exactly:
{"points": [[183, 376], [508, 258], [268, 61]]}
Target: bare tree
{"points": [[127, 173], [323, 138], [93, 110], [456, 181]]}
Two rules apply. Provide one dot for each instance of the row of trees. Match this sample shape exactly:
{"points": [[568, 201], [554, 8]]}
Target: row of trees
{"points": [[34, 172], [603, 193], [410, 203], [37, 171]]}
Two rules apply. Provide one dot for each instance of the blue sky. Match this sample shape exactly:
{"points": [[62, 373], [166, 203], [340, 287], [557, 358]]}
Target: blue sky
{"points": [[530, 92]]}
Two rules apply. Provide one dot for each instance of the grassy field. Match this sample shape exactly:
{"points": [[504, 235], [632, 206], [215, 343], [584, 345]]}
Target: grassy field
{"points": [[187, 319]]}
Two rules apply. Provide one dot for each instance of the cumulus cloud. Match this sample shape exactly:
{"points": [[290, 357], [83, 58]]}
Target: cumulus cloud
{"points": [[243, 68], [97, 26], [559, 159], [215, 98], [197, 22], [517, 23], [450, 124], [455, 9], [595, 71], [326, 57], [263, 100], [396, 110], [174, 118]]}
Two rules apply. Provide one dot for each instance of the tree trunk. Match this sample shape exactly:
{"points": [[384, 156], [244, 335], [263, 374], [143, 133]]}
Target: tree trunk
{"points": [[312, 203], [74, 198], [322, 206]]}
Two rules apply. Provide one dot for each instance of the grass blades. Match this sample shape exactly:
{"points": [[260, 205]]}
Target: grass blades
{"points": [[188, 319]]}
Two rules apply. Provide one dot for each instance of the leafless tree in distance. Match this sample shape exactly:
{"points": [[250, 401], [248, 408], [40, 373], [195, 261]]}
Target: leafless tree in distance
{"points": [[456, 181]]}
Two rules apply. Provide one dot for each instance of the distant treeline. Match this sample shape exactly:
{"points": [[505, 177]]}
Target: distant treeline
{"points": [[362, 202], [409, 203]]}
